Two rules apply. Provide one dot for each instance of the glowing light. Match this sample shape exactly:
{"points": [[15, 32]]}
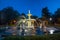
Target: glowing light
{"points": [[23, 21], [14, 21], [50, 19], [26, 30], [51, 31]]}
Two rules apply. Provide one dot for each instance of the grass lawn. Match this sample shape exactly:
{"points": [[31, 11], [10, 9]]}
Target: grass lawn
{"points": [[41, 37]]}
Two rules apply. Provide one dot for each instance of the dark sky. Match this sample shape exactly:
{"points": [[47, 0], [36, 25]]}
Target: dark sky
{"points": [[34, 5]]}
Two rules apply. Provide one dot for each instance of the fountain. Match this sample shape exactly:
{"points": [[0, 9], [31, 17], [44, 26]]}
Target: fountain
{"points": [[27, 27]]}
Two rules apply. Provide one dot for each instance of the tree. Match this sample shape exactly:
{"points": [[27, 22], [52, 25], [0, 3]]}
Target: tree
{"points": [[46, 13], [57, 13], [23, 16], [57, 16], [8, 14], [2, 18]]}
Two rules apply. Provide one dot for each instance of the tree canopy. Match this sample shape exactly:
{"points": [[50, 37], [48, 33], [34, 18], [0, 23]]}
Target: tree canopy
{"points": [[45, 12], [57, 13], [8, 14]]}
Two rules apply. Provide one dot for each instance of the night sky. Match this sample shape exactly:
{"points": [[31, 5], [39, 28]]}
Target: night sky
{"points": [[34, 5]]}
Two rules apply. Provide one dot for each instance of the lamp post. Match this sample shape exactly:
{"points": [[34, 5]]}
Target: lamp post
{"points": [[50, 20]]}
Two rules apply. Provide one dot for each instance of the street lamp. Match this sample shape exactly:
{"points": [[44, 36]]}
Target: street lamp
{"points": [[50, 19]]}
